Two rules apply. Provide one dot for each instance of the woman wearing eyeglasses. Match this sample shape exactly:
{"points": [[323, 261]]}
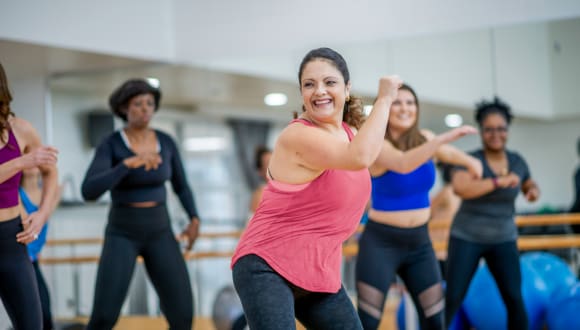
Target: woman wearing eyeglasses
{"points": [[484, 226]]}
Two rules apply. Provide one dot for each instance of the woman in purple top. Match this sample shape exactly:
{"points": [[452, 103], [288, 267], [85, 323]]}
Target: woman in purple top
{"points": [[21, 148]]}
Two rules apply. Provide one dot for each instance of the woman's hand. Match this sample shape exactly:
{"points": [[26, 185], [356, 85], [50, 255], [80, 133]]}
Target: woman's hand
{"points": [[508, 181], [190, 233], [32, 226], [456, 133], [389, 87], [149, 160], [41, 156], [533, 194]]}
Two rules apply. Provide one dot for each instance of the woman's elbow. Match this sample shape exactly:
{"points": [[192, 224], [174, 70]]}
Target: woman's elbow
{"points": [[88, 194]]}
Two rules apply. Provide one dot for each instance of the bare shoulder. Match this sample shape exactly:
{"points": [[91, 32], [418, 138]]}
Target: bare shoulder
{"points": [[294, 132], [428, 134], [25, 133]]}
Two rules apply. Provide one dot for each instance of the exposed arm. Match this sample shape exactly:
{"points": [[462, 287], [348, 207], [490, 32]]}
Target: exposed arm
{"points": [[399, 161], [451, 155], [10, 168], [33, 149], [34, 153], [467, 186], [530, 190], [101, 175]]}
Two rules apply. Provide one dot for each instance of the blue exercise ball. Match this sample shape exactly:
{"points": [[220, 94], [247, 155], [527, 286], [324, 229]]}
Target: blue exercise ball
{"points": [[485, 308], [226, 309], [563, 313], [555, 272], [401, 324]]}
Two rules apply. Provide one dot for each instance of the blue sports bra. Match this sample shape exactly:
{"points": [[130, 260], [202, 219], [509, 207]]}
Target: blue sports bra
{"points": [[394, 191]]}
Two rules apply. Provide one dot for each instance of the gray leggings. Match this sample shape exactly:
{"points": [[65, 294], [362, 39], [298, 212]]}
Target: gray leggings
{"points": [[271, 302]]}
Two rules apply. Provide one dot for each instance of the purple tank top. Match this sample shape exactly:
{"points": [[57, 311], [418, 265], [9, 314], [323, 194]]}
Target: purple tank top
{"points": [[9, 188]]}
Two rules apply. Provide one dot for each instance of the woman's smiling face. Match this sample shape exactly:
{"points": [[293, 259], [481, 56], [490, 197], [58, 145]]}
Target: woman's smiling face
{"points": [[323, 89]]}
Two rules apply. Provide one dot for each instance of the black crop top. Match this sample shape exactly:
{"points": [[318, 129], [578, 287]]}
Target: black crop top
{"points": [[108, 172]]}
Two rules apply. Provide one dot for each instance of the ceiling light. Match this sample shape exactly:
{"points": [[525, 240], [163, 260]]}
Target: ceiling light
{"points": [[453, 120], [153, 82], [275, 99], [203, 144]]}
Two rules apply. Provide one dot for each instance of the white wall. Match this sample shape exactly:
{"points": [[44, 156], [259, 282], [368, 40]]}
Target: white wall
{"points": [[564, 45], [522, 68], [135, 28]]}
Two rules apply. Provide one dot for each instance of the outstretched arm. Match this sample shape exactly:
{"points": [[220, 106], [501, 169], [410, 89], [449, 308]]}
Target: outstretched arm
{"points": [[399, 161], [451, 155]]}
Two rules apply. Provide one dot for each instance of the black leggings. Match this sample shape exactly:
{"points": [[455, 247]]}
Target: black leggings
{"points": [[271, 302], [44, 298], [385, 251], [146, 232], [503, 262], [18, 289]]}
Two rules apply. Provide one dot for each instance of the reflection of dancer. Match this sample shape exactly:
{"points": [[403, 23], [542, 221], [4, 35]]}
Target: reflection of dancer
{"points": [[263, 155], [396, 239], [287, 263], [443, 207], [20, 148], [30, 196], [134, 164], [484, 226]]}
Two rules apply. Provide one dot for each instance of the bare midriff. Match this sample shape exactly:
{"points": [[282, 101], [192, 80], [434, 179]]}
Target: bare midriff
{"points": [[403, 219]]}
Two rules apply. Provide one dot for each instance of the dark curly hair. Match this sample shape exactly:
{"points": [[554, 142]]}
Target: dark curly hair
{"points": [[353, 113], [485, 108], [119, 99]]}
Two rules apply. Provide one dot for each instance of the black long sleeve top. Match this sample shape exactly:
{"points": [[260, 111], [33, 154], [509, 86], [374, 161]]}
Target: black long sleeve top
{"points": [[108, 172]]}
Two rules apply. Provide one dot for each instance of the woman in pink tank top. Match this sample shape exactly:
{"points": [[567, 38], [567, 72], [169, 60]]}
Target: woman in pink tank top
{"points": [[20, 148], [287, 263]]}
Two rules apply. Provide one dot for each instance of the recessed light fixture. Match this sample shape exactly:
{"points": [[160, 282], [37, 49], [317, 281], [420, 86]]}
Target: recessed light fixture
{"points": [[367, 109], [275, 99], [204, 144], [153, 82], [453, 120]]}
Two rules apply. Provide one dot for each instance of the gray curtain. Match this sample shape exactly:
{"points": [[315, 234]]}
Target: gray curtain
{"points": [[248, 135]]}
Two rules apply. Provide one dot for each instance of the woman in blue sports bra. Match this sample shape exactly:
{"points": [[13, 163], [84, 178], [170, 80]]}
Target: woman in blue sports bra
{"points": [[396, 238]]}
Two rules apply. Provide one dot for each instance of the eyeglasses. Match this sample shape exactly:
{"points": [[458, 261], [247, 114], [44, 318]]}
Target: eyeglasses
{"points": [[491, 130]]}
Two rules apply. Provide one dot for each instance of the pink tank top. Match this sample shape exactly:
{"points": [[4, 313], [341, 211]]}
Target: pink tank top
{"points": [[9, 188], [299, 229]]}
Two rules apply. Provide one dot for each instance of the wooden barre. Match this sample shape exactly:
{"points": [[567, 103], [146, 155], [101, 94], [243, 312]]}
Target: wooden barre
{"points": [[525, 243], [521, 221], [525, 220], [95, 259], [98, 240]]}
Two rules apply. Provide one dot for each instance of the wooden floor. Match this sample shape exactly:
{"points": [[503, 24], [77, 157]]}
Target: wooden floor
{"points": [[158, 323]]}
